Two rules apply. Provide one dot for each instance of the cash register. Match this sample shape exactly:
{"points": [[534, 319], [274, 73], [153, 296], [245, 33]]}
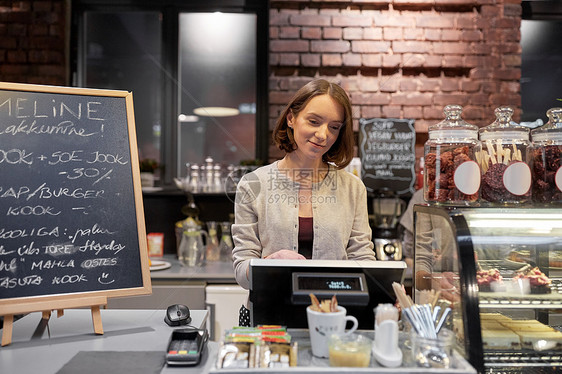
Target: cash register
{"points": [[280, 289]]}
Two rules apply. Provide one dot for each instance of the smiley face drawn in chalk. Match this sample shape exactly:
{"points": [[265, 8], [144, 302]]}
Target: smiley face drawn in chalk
{"points": [[103, 279]]}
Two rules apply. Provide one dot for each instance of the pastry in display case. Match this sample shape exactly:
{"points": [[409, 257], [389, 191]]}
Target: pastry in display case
{"points": [[498, 268]]}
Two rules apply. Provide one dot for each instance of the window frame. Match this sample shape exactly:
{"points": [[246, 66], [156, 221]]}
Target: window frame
{"points": [[170, 10]]}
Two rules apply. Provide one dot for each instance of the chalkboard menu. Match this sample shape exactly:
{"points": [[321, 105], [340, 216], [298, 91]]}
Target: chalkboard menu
{"points": [[387, 152], [71, 216]]}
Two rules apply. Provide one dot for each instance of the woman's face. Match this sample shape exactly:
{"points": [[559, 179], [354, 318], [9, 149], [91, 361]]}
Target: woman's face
{"points": [[317, 126]]}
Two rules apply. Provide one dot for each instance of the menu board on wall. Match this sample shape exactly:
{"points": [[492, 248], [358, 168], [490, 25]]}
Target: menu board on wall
{"points": [[387, 152], [71, 215]]}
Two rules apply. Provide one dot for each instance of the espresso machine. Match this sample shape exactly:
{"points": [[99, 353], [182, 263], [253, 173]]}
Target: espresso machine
{"points": [[387, 209]]}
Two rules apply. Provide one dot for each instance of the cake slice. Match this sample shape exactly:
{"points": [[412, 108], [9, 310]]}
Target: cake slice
{"points": [[541, 340], [500, 340]]}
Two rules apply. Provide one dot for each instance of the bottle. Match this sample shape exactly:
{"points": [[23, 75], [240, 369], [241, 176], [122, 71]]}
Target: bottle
{"points": [[226, 245], [546, 151], [506, 176], [451, 173], [213, 251]]}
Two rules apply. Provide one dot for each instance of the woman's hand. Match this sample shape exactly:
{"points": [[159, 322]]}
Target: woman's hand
{"points": [[286, 254]]}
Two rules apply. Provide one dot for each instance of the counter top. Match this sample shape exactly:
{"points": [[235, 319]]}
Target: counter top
{"points": [[211, 272], [124, 331], [133, 336]]}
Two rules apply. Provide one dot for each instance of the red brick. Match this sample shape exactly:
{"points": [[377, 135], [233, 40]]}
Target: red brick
{"points": [[433, 113], [432, 61], [432, 34], [289, 59], [437, 22], [479, 99], [273, 33], [311, 33], [410, 47], [352, 21], [288, 32], [451, 35], [489, 86], [413, 34], [331, 59], [490, 11], [288, 46], [334, 46], [310, 59], [449, 84], [469, 85], [368, 84], [413, 112], [392, 33], [353, 33], [369, 47], [389, 83], [310, 20], [371, 112], [391, 61], [510, 87], [280, 97], [413, 60], [453, 48], [408, 84], [375, 98], [332, 33], [384, 19], [427, 84], [412, 98], [512, 60], [371, 60], [452, 61], [372, 33], [508, 74], [447, 99], [351, 59], [278, 19], [391, 111]]}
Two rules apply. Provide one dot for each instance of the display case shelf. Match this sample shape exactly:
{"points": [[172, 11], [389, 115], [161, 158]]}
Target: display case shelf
{"points": [[497, 319]]}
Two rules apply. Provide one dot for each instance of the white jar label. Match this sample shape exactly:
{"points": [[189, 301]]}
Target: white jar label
{"points": [[467, 177], [558, 179], [517, 178]]}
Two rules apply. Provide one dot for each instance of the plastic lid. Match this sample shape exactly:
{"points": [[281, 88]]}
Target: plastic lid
{"points": [[552, 129], [503, 127]]}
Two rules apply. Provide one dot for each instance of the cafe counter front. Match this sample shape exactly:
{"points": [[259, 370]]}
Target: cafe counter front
{"points": [[135, 341]]}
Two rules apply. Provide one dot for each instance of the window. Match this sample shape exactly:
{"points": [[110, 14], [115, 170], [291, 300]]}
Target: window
{"points": [[541, 59], [181, 59]]}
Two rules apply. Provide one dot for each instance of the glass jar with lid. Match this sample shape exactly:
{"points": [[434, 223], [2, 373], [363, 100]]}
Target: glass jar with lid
{"points": [[506, 176], [546, 150], [452, 175]]}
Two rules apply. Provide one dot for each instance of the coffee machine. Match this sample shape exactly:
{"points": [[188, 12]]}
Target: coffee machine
{"points": [[387, 209]]}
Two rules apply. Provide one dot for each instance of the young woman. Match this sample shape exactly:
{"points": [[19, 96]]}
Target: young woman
{"points": [[304, 206]]}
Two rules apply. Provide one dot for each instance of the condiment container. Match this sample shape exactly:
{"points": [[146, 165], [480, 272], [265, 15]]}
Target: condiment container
{"points": [[546, 150], [506, 176], [433, 353], [452, 175], [350, 350]]}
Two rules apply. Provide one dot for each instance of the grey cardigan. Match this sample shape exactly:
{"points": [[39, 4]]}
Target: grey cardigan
{"points": [[266, 218]]}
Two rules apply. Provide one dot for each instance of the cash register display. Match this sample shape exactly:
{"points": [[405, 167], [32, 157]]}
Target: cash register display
{"points": [[330, 282]]}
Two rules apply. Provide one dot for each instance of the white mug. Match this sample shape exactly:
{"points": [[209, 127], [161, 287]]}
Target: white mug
{"points": [[322, 325]]}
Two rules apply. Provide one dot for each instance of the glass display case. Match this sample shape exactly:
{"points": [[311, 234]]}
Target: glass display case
{"points": [[500, 270]]}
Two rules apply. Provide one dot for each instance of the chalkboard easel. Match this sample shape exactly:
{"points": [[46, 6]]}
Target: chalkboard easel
{"points": [[72, 230]]}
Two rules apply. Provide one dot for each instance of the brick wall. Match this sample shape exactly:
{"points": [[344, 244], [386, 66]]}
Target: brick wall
{"points": [[32, 42], [400, 58], [396, 58]]}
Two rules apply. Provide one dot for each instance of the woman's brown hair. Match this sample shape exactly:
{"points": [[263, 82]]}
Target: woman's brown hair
{"points": [[341, 151]]}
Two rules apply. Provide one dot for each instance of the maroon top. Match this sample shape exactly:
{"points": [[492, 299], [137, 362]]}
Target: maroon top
{"points": [[306, 236]]}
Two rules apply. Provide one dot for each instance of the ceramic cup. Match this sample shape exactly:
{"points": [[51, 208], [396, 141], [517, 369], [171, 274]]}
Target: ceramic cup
{"points": [[322, 325]]}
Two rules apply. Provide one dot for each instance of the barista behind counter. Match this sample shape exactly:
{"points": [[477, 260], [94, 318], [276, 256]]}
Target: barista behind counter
{"points": [[305, 205]]}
